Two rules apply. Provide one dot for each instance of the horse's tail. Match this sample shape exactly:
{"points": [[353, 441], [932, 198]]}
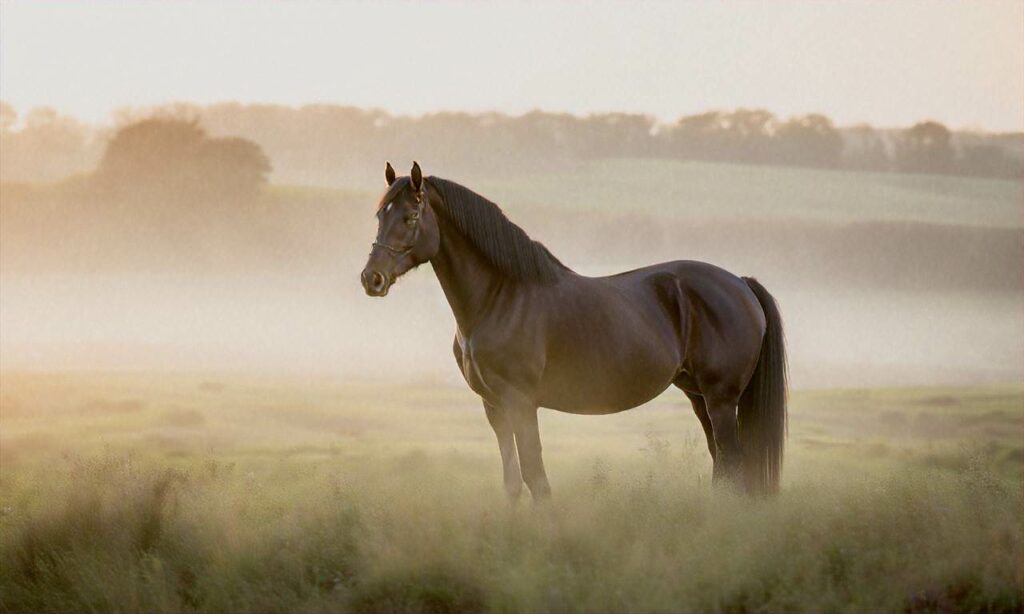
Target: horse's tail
{"points": [[762, 408]]}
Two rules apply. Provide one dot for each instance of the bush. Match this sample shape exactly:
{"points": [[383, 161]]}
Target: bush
{"points": [[176, 158]]}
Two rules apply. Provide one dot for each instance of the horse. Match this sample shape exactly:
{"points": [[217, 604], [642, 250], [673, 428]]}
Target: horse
{"points": [[531, 333]]}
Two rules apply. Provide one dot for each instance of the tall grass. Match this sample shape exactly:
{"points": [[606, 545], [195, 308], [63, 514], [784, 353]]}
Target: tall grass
{"points": [[133, 493], [430, 532]]}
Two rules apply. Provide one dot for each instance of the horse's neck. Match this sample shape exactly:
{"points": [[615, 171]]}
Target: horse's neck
{"points": [[468, 280]]}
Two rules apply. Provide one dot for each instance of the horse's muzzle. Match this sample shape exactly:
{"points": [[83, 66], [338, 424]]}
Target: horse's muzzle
{"points": [[375, 283]]}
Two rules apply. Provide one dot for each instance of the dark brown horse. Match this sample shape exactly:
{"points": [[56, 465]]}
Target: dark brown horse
{"points": [[532, 333]]}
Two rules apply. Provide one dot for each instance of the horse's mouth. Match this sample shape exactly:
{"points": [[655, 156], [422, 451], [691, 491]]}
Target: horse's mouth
{"points": [[378, 284], [378, 293]]}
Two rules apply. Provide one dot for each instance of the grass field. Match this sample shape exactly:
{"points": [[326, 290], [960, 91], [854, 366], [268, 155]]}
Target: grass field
{"points": [[161, 493], [154, 492]]}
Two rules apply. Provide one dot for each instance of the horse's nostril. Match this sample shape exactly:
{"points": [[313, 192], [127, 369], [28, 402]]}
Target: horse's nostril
{"points": [[378, 280]]}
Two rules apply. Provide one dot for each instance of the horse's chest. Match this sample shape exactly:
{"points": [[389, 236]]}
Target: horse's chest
{"points": [[470, 366]]}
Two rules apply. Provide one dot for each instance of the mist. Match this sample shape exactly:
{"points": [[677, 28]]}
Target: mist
{"points": [[154, 262], [202, 410]]}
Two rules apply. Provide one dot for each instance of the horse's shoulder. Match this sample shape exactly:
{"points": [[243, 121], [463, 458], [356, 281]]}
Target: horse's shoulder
{"points": [[457, 346]]}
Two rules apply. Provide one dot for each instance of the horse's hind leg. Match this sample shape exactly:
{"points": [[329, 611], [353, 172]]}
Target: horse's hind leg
{"points": [[728, 454], [701, 409], [686, 384]]}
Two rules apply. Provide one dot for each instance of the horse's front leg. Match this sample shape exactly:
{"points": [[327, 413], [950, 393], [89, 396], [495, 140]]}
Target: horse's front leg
{"points": [[527, 433], [502, 425]]}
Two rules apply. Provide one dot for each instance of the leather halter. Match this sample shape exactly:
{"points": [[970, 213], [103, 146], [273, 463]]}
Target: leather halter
{"points": [[402, 251]]}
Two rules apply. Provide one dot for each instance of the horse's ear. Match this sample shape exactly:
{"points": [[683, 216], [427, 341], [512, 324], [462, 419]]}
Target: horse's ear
{"points": [[416, 176], [389, 173]]}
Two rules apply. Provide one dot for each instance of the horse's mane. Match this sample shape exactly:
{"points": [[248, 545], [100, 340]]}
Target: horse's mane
{"points": [[502, 243]]}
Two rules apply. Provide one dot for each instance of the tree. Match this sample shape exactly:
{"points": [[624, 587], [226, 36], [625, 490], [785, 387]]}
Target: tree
{"points": [[697, 137], [176, 157], [810, 140], [616, 135], [8, 116], [925, 148], [989, 160], [45, 146], [750, 133], [745, 135], [865, 149]]}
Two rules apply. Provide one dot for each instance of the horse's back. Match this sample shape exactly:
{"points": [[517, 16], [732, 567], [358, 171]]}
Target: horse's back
{"points": [[692, 273], [704, 285]]}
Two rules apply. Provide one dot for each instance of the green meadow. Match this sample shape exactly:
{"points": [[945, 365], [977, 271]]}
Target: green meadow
{"points": [[699, 190]]}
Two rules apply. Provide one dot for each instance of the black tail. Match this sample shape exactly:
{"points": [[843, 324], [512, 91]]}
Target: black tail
{"points": [[762, 408]]}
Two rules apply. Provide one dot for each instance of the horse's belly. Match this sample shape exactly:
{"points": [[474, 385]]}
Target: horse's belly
{"points": [[594, 401], [605, 388]]}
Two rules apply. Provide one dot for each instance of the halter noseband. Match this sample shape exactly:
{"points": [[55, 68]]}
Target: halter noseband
{"points": [[402, 251]]}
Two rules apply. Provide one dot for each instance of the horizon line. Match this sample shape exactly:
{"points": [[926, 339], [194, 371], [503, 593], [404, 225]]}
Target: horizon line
{"points": [[110, 117]]}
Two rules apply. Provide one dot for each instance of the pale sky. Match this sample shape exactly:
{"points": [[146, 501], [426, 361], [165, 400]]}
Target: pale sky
{"points": [[889, 64]]}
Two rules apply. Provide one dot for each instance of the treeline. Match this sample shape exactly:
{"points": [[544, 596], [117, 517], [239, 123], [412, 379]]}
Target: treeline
{"points": [[326, 144]]}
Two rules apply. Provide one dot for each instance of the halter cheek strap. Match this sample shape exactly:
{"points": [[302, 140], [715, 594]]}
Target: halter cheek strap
{"points": [[402, 251]]}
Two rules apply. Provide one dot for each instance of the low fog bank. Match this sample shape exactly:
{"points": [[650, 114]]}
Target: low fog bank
{"points": [[880, 284], [323, 325]]}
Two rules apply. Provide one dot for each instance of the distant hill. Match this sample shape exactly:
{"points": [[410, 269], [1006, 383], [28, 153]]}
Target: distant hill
{"points": [[699, 190]]}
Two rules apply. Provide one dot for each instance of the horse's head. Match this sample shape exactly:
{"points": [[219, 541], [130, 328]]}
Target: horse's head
{"points": [[407, 232]]}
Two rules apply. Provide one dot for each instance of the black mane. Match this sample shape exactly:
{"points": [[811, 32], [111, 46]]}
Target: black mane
{"points": [[502, 243]]}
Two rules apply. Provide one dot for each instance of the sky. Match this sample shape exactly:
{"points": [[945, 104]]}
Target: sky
{"points": [[888, 64]]}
